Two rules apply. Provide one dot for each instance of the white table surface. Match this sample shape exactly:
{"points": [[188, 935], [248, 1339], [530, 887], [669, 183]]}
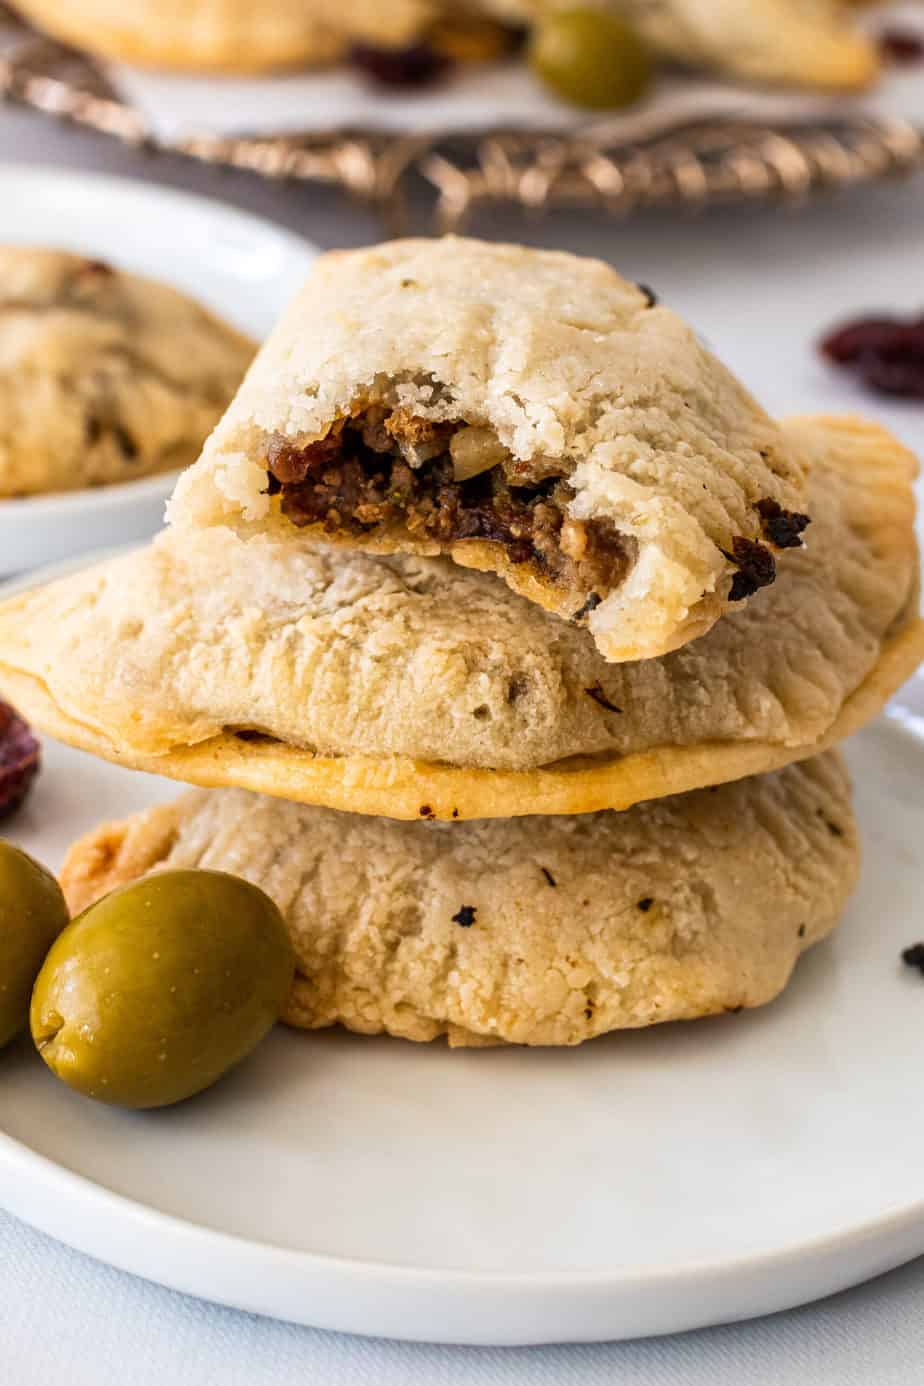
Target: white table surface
{"points": [[65, 1318]]}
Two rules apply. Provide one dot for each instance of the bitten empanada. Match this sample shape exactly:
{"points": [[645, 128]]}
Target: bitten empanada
{"points": [[524, 412]]}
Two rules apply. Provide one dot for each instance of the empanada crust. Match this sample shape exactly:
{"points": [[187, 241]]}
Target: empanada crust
{"points": [[528, 931], [227, 35], [106, 376], [408, 688]]}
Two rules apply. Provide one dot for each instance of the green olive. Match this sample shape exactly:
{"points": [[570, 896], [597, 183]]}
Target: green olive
{"points": [[591, 58], [155, 991], [32, 914]]}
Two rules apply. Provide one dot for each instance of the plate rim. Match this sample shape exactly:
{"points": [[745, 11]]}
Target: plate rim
{"points": [[138, 488], [115, 184]]}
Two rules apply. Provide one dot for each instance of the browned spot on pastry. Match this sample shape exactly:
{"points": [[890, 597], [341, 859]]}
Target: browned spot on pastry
{"points": [[95, 428], [87, 279], [801, 931], [781, 527], [649, 293], [833, 828], [465, 917], [645, 904], [381, 469], [548, 875], [125, 442], [517, 686], [756, 568], [600, 697], [455, 813], [426, 811]]}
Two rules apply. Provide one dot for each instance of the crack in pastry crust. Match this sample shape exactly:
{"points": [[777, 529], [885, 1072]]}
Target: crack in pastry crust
{"points": [[530, 931]]}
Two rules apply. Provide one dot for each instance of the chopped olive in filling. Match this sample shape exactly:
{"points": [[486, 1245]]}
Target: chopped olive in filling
{"points": [[443, 482]]}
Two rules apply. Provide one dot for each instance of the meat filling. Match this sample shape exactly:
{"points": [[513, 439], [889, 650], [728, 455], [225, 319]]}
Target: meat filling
{"points": [[381, 471]]}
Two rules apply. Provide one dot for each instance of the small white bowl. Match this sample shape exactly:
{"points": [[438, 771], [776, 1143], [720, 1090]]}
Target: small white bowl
{"points": [[46, 529]]}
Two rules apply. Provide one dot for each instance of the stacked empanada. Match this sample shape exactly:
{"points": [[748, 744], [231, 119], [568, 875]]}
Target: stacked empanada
{"points": [[488, 542], [811, 42]]}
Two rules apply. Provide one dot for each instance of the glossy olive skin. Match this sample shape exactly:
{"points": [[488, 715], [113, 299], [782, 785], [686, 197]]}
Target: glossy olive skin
{"points": [[591, 59], [158, 989], [32, 915]]}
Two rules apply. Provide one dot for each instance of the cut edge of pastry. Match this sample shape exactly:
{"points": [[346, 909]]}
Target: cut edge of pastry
{"points": [[642, 587], [402, 788]]}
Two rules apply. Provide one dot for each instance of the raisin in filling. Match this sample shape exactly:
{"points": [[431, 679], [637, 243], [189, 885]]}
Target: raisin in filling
{"points": [[359, 479]]}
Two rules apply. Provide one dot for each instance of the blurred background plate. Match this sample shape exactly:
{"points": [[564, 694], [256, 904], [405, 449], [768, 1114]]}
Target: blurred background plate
{"points": [[488, 138], [241, 266]]}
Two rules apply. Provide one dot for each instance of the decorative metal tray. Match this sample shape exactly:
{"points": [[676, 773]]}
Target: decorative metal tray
{"points": [[688, 165]]}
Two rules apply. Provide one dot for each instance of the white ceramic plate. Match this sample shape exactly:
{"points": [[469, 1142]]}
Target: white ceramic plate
{"points": [[645, 1183], [240, 265]]}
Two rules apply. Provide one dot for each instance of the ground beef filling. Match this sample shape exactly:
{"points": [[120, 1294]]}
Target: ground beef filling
{"points": [[360, 478]]}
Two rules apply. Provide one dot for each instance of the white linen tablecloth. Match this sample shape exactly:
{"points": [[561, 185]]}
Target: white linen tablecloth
{"points": [[67, 1319]]}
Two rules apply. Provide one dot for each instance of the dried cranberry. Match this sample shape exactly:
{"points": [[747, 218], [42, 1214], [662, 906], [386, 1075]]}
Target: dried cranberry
{"points": [[415, 66], [901, 46], [19, 760], [888, 353], [848, 343], [894, 375]]}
